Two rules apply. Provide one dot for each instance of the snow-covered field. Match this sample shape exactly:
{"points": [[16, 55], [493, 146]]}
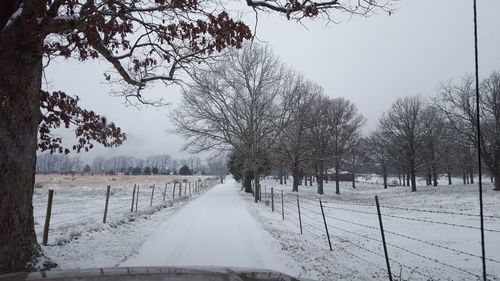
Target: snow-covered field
{"points": [[431, 234], [77, 236]]}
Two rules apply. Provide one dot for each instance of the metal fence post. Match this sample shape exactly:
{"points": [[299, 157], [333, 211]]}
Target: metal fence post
{"points": [[326, 226], [133, 199], [383, 239], [300, 218], [106, 205], [47, 218], [282, 207]]}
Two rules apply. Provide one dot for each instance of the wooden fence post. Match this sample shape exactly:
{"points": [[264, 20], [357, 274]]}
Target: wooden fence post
{"points": [[165, 191], [47, 218], [137, 198], [173, 191], [272, 199], [152, 195], [106, 205]]}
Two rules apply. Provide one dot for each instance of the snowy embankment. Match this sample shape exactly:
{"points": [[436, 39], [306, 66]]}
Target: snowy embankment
{"points": [[431, 234], [77, 236]]}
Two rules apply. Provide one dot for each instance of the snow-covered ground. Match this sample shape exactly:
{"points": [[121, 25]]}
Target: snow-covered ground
{"points": [[77, 236], [215, 229], [432, 234]]}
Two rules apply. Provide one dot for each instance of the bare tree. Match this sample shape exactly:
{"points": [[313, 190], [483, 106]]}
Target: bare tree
{"points": [[218, 166], [406, 126], [293, 146], [346, 124], [377, 144], [459, 107], [237, 103], [319, 137], [356, 155]]}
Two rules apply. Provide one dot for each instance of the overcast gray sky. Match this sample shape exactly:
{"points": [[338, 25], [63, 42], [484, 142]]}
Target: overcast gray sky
{"points": [[370, 61]]}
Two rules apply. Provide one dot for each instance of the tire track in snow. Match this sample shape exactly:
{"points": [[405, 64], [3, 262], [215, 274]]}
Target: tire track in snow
{"points": [[215, 229]]}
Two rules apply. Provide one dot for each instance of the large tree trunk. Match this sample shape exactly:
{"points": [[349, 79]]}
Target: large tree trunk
{"points": [[256, 188], [296, 177], [496, 176], [434, 175], [413, 177], [384, 175], [337, 182], [247, 181], [20, 84], [428, 180], [353, 179], [319, 178], [449, 177]]}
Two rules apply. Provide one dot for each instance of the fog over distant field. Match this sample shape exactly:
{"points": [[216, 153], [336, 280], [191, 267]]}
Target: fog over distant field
{"points": [[370, 61]]}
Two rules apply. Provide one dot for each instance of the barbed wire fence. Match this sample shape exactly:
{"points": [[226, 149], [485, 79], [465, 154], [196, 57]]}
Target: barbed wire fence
{"points": [[319, 218], [70, 209]]}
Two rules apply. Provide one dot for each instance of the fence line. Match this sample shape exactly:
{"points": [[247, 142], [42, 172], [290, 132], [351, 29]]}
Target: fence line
{"points": [[414, 210], [117, 206], [311, 220]]}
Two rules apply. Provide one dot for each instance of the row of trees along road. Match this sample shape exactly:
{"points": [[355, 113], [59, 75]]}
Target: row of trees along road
{"points": [[267, 115], [144, 42], [274, 121], [419, 137]]}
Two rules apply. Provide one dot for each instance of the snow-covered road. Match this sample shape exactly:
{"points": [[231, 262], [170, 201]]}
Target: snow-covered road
{"points": [[215, 229]]}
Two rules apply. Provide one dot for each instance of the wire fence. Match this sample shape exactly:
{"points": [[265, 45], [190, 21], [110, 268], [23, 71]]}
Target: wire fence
{"points": [[359, 225], [73, 209]]}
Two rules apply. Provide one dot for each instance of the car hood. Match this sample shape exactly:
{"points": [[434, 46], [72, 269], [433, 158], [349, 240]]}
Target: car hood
{"points": [[156, 274]]}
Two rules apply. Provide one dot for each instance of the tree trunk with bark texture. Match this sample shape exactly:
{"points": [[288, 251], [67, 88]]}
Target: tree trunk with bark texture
{"points": [[20, 84], [413, 178], [296, 181], [337, 183], [385, 179], [247, 182], [353, 179], [496, 176], [434, 175], [319, 178]]}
